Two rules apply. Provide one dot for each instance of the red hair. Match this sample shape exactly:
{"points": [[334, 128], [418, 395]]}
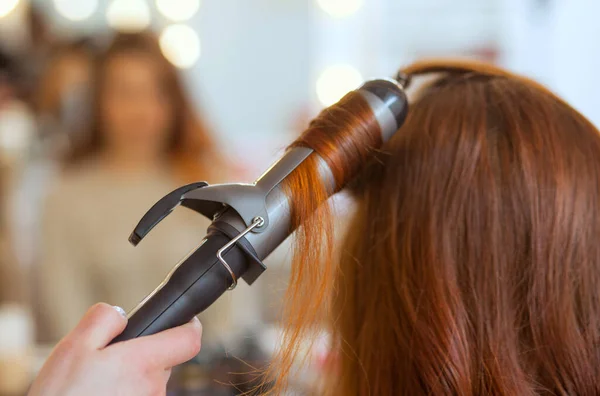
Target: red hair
{"points": [[472, 263]]}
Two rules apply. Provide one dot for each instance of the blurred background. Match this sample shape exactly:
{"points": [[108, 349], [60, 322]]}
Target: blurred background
{"points": [[107, 105]]}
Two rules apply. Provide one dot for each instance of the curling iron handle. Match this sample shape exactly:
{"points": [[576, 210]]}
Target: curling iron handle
{"points": [[196, 283]]}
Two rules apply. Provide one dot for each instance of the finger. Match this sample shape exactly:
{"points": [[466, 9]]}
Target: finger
{"points": [[170, 347], [100, 325], [167, 375]]}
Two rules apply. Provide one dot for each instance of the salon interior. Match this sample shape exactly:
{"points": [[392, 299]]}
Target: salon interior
{"points": [[101, 99]]}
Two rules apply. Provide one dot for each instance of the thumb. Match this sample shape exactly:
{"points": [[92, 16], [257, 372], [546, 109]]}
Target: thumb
{"points": [[100, 325]]}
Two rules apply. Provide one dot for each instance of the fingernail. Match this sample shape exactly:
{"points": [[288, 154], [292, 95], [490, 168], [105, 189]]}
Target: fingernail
{"points": [[195, 322], [121, 311]]}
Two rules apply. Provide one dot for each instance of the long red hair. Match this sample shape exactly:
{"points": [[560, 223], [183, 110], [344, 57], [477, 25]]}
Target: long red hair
{"points": [[472, 264], [191, 148]]}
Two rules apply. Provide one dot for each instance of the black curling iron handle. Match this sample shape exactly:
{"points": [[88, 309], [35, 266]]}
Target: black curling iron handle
{"points": [[193, 286]]}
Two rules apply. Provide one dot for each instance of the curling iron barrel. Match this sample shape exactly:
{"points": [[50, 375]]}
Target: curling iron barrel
{"points": [[249, 222]]}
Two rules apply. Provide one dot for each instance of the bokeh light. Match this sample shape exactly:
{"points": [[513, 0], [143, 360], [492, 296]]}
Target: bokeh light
{"points": [[335, 82], [181, 45], [76, 10], [340, 8], [128, 15], [7, 6], [178, 10]]}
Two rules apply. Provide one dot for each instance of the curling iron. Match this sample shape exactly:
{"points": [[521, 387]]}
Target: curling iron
{"points": [[249, 222]]}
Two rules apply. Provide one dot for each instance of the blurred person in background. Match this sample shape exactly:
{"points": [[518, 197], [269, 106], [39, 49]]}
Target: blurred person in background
{"points": [[9, 124], [16, 324], [145, 139], [61, 107]]}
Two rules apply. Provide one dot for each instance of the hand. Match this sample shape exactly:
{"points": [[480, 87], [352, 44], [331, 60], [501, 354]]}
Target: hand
{"points": [[83, 364]]}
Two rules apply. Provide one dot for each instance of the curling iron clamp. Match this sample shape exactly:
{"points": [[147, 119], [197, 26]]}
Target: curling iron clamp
{"points": [[249, 222]]}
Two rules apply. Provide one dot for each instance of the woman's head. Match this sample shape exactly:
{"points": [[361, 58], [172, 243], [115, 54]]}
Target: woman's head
{"points": [[471, 265], [140, 108]]}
